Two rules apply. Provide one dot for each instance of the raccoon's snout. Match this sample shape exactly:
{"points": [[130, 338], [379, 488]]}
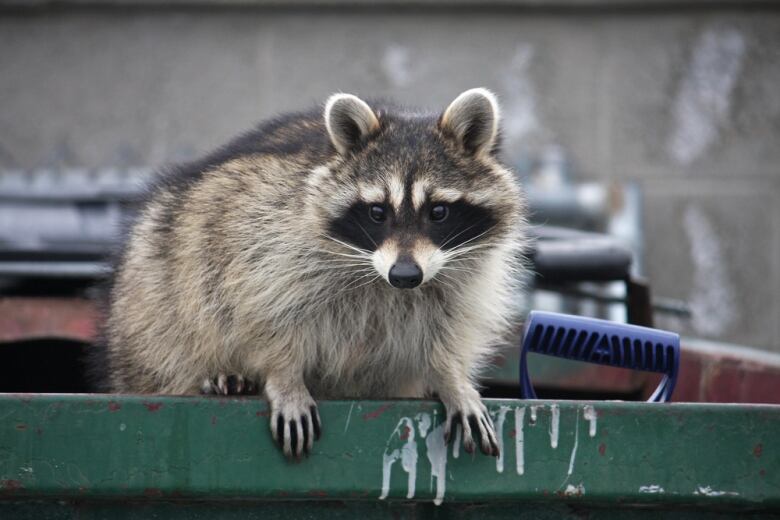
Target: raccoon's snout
{"points": [[405, 274]]}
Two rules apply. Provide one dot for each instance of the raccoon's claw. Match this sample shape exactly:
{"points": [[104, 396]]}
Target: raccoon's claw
{"points": [[477, 427], [229, 385], [295, 427]]}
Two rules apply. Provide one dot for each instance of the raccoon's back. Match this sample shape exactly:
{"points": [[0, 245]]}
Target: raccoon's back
{"points": [[191, 243]]}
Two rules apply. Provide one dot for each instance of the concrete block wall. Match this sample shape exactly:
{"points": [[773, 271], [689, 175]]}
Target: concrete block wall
{"points": [[684, 100]]}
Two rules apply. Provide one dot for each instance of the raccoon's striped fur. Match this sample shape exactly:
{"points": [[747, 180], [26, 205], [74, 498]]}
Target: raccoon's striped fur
{"points": [[271, 260]]}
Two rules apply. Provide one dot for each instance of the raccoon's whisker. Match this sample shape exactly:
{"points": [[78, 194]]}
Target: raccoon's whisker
{"points": [[343, 263], [462, 249], [361, 256], [377, 277], [350, 246], [466, 250], [473, 238], [351, 286], [448, 239], [459, 269], [365, 232], [444, 283]]}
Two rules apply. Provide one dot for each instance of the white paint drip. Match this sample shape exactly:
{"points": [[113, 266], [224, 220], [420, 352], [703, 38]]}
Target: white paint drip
{"points": [[349, 416], [458, 439], [520, 439], [577, 490], [408, 456], [708, 491], [712, 299], [576, 442], [532, 421], [500, 437], [652, 488], [423, 423], [704, 99], [409, 460], [554, 424], [437, 456], [590, 415], [387, 465]]}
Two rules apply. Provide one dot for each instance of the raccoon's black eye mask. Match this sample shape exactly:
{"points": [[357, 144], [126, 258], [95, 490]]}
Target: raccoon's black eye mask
{"points": [[447, 225]]}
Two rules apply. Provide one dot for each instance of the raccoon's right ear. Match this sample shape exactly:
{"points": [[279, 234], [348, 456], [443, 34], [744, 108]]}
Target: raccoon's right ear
{"points": [[349, 121]]}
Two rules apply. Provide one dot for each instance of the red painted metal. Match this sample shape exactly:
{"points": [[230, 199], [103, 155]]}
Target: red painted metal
{"points": [[25, 318], [726, 374]]}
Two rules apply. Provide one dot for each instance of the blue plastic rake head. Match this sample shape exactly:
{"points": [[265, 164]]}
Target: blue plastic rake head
{"points": [[602, 342]]}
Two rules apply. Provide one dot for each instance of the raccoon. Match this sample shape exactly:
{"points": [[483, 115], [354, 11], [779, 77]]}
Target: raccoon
{"points": [[364, 252]]}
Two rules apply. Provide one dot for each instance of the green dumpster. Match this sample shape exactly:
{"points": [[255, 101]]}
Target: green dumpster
{"points": [[105, 456]]}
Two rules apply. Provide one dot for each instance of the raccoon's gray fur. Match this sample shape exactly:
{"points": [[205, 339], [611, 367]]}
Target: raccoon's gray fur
{"points": [[363, 253]]}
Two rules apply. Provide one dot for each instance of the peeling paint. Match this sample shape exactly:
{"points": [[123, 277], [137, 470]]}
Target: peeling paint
{"points": [[532, 420], [652, 488], [576, 443], [423, 423], [11, 485], [407, 454], [437, 456], [409, 461], [376, 413], [458, 440], [589, 413], [555, 418], [758, 449], [388, 459], [500, 419], [349, 417], [577, 490], [708, 491], [520, 439], [153, 407]]}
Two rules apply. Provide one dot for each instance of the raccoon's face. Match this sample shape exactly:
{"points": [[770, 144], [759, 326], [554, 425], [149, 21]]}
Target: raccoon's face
{"points": [[418, 197]]}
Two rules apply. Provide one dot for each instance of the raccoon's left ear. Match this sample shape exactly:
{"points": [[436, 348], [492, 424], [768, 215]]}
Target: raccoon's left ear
{"points": [[349, 121], [473, 120]]}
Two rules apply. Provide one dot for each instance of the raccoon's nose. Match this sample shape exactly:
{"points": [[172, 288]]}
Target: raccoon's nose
{"points": [[405, 275]]}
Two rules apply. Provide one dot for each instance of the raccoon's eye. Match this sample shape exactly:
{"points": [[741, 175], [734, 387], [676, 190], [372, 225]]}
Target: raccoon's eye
{"points": [[377, 213], [439, 213]]}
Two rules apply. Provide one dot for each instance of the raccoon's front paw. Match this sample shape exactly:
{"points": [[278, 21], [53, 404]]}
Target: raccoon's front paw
{"points": [[475, 422], [295, 423], [228, 385]]}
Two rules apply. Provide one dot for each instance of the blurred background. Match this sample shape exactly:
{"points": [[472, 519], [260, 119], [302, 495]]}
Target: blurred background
{"points": [[654, 122]]}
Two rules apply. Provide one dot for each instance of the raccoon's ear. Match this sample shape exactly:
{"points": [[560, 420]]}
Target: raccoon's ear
{"points": [[349, 121], [473, 120]]}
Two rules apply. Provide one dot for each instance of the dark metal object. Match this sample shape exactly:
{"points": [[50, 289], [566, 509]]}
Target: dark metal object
{"points": [[563, 257]]}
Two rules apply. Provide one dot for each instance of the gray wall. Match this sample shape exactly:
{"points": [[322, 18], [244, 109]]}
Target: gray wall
{"points": [[685, 101]]}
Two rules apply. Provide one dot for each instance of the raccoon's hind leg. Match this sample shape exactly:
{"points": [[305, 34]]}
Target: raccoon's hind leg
{"points": [[295, 420], [228, 385]]}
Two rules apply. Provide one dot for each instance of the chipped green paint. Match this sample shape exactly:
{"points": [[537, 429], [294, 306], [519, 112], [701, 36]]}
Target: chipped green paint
{"points": [[606, 453]]}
